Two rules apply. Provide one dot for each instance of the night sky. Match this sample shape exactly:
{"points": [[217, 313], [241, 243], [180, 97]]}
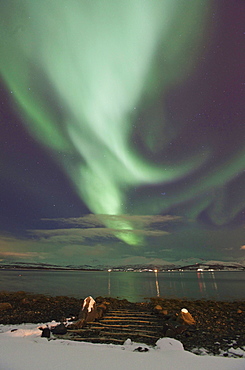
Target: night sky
{"points": [[122, 131]]}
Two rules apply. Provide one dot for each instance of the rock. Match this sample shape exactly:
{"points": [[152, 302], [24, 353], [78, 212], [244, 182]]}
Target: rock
{"points": [[101, 310], [172, 328], [141, 349], [169, 317], [45, 332], [186, 317], [169, 330], [78, 324], [89, 310], [180, 329], [158, 308], [59, 329], [5, 306]]}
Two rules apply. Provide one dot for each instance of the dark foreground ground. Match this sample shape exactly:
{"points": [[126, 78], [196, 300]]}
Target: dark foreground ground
{"points": [[218, 324]]}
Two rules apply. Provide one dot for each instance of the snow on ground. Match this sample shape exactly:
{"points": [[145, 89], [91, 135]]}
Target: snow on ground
{"points": [[25, 349]]}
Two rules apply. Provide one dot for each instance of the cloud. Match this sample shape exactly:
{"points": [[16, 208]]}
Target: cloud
{"points": [[71, 236], [74, 236], [20, 254], [118, 221], [87, 221], [80, 233]]}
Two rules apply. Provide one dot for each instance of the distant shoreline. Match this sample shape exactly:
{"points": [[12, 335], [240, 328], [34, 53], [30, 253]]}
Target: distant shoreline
{"points": [[46, 269], [117, 270]]}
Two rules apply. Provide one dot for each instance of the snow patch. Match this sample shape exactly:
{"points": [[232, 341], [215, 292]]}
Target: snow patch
{"points": [[23, 348], [169, 344], [184, 310]]}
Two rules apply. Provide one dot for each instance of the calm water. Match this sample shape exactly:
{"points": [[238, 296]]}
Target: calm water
{"points": [[134, 286]]}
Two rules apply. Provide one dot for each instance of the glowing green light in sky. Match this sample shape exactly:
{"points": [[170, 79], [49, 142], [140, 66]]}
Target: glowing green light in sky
{"points": [[81, 70]]}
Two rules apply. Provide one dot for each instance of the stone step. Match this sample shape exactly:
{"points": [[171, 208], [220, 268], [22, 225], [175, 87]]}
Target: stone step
{"points": [[122, 330], [126, 319], [100, 324]]}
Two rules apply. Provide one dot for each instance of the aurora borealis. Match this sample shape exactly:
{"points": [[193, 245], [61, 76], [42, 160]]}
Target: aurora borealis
{"points": [[122, 131]]}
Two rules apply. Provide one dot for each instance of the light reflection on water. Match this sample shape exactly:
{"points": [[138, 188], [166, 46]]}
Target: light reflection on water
{"points": [[134, 286], [157, 283]]}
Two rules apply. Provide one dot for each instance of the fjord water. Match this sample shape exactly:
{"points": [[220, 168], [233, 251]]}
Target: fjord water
{"points": [[134, 286]]}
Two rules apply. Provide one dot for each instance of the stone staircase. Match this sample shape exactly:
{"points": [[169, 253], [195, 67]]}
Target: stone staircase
{"points": [[117, 325]]}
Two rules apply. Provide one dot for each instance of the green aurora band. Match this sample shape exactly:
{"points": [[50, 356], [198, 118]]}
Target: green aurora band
{"points": [[80, 71]]}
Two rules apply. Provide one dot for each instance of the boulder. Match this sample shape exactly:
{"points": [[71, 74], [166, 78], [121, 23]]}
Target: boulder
{"points": [[59, 329], [173, 328], [77, 325], [101, 310], [45, 332], [169, 330], [89, 310], [186, 318]]}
